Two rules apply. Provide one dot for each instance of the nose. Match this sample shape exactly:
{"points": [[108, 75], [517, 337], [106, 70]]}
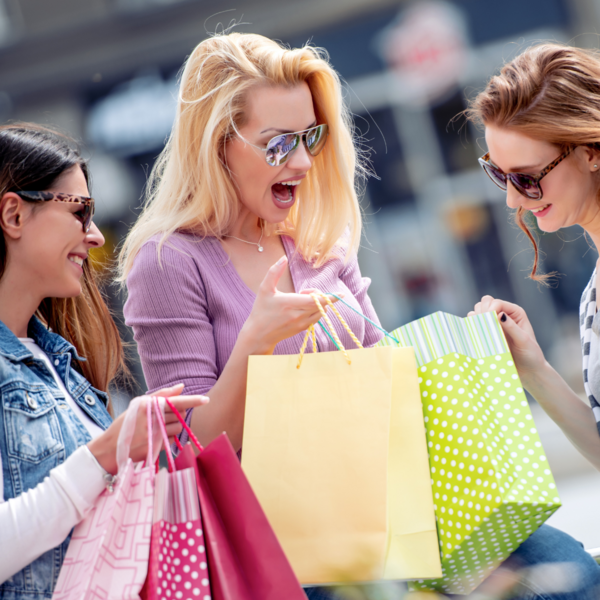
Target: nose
{"points": [[301, 159], [94, 238], [513, 198]]}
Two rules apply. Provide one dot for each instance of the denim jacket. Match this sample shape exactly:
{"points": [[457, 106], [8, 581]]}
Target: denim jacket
{"points": [[39, 431]]}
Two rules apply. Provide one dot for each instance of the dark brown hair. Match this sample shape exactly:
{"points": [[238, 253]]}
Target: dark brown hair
{"points": [[550, 92], [31, 159]]}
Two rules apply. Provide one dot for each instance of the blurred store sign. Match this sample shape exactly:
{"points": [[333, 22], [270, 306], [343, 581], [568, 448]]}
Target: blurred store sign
{"points": [[427, 49], [135, 118]]}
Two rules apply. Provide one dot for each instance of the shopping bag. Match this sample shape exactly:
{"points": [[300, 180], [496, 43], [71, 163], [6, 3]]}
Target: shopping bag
{"points": [[177, 567], [245, 559], [107, 557], [491, 481], [335, 451]]}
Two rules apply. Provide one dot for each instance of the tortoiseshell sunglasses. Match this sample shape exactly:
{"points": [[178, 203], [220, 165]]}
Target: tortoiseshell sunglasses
{"points": [[527, 185], [85, 215]]}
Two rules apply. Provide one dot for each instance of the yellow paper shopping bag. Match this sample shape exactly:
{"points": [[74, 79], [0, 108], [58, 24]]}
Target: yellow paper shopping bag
{"points": [[335, 451]]}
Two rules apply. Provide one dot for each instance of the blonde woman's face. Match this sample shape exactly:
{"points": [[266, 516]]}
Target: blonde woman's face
{"points": [[270, 192], [569, 190]]}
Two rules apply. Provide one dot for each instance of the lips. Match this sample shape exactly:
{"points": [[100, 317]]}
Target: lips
{"points": [[541, 211]]}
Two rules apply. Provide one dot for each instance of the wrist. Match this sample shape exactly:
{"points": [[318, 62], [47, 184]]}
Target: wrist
{"points": [[250, 341], [537, 380], [104, 452]]}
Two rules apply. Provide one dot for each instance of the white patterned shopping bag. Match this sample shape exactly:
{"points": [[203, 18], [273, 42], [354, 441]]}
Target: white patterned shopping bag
{"points": [[107, 557]]}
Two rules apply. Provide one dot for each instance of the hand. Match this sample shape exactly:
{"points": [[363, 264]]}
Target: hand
{"points": [[104, 447], [276, 315], [526, 352]]}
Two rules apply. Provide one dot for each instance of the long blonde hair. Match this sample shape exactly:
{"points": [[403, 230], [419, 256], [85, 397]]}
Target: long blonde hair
{"points": [[550, 92], [190, 187]]}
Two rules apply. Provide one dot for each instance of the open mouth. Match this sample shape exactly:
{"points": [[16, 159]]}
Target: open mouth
{"points": [[284, 194]]}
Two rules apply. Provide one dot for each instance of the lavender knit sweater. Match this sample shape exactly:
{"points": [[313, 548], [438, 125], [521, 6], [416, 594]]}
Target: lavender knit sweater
{"points": [[187, 311]]}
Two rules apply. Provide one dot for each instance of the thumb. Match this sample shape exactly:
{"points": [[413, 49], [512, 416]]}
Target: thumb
{"points": [[273, 276], [515, 336]]}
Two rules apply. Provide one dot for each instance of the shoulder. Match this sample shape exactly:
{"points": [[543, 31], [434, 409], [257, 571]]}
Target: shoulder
{"points": [[589, 293]]}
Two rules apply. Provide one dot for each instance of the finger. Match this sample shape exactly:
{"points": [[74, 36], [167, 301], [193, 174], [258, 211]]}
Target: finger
{"points": [[174, 390], [182, 403], [269, 283], [515, 334], [331, 297]]}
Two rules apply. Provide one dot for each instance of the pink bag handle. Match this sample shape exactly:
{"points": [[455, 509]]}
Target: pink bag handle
{"points": [[128, 429], [158, 409], [185, 426]]}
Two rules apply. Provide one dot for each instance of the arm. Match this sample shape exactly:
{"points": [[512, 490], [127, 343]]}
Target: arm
{"points": [[41, 518], [358, 286], [550, 390], [168, 309]]}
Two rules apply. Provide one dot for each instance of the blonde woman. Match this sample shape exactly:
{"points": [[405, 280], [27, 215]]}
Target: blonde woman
{"points": [[251, 205]]}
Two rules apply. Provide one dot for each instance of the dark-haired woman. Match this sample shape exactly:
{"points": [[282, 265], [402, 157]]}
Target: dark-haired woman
{"points": [[59, 350]]}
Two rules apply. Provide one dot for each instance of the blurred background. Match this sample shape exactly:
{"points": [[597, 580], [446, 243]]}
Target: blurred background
{"points": [[438, 235]]}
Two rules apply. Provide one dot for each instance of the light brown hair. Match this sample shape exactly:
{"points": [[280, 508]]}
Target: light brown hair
{"points": [[550, 92]]}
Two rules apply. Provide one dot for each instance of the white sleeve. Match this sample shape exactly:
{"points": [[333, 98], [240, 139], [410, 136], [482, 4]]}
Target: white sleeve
{"points": [[41, 518]]}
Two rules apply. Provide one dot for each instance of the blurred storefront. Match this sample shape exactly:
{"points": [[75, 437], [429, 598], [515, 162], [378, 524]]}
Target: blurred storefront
{"points": [[438, 235]]}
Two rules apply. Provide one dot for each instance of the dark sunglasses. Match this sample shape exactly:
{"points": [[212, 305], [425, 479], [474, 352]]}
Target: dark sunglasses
{"points": [[85, 215], [527, 185], [280, 147]]}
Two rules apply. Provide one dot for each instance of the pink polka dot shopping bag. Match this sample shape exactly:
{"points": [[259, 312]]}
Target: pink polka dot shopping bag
{"points": [[177, 567]]}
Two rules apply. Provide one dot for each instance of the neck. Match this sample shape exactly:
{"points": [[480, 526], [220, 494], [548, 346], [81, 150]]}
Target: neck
{"points": [[18, 302], [247, 226]]}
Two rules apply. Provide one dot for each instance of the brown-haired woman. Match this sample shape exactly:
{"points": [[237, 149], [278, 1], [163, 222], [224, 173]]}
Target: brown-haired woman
{"points": [[57, 438], [541, 116]]}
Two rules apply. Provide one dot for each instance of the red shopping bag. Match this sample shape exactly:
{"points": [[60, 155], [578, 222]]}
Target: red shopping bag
{"points": [[177, 567], [245, 559]]}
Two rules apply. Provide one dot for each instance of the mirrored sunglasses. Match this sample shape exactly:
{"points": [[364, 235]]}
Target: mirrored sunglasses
{"points": [[527, 185], [85, 214], [280, 147]]}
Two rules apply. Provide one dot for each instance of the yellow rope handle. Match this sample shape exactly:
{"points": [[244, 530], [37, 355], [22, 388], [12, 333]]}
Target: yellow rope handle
{"points": [[310, 332], [341, 320]]}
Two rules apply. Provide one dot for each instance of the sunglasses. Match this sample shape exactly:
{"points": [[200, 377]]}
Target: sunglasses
{"points": [[526, 185], [85, 214], [280, 147]]}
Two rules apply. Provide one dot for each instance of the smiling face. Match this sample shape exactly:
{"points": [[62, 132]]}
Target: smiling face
{"points": [[269, 192], [50, 246], [570, 190]]}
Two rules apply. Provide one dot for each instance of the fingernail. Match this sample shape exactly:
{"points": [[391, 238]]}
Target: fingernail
{"points": [[503, 318], [281, 260]]}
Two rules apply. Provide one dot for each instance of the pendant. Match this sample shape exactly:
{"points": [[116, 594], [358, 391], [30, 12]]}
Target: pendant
{"points": [[260, 248]]}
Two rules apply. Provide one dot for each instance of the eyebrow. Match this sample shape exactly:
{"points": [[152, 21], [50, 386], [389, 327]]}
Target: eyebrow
{"points": [[286, 130], [516, 169]]}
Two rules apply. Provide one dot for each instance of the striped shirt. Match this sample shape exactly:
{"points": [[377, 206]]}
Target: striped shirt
{"points": [[587, 313]]}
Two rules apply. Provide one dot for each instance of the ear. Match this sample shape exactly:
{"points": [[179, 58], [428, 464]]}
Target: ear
{"points": [[12, 215], [593, 158]]}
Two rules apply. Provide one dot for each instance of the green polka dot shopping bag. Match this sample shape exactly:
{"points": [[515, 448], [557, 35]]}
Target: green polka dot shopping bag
{"points": [[492, 485]]}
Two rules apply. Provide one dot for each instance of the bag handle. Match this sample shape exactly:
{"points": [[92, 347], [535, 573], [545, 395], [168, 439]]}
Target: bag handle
{"points": [[185, 426], [160, 417], [310, 332], [364, 317], [128, 429]]}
